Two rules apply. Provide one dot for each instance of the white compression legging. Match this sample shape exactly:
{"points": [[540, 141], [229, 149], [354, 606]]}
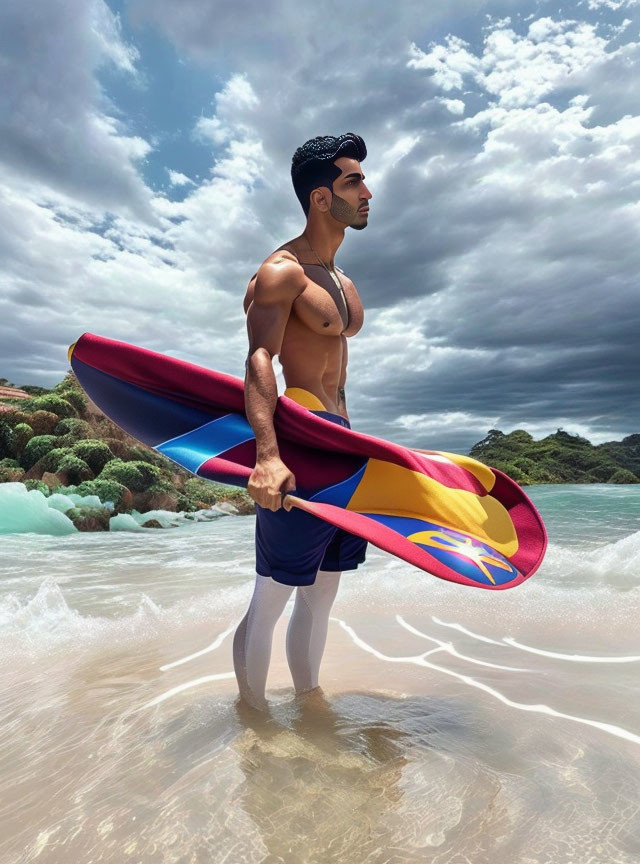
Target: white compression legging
{"points": [[306, 633]]}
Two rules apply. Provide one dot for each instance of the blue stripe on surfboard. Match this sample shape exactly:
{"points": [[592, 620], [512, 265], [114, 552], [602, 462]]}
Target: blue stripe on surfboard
{"points": [[340, 493], [147, 416], [453, 557], [195, 447]]}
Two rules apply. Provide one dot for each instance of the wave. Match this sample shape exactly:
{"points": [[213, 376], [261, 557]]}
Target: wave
{"points": [[615, 565], [45, 624]]}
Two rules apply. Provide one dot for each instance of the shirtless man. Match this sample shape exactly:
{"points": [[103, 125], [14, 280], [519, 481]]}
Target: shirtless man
{"points": [[299, 308]]}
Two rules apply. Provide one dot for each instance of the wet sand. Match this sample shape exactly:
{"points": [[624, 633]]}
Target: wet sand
{"points": [[427, 758]]}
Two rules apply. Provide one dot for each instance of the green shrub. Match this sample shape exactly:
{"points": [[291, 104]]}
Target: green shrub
{"points": [[75, 428], [540, 474], [106, 490], [184, 505], [75, 398], [76, 468], [511, 470], [203, 490], [36, 448], [519, 436], [68, 440], [39, 485], [146, 454], [42, 422], [69, 380], [51, 402], [95, 453], [23, 433], [162, 485], [493, 438], [9, 463], [623, 476], [136, 476], [51, 460], [150, 473], [7, 440], [15, 416], [603, 472], [10, 474]]}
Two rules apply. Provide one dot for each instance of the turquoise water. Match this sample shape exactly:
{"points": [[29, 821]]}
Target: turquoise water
{"points": [[595, 514]]}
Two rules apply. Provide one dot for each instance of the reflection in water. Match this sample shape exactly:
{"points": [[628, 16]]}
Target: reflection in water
{"points": [[355, 777], [321, 784]]}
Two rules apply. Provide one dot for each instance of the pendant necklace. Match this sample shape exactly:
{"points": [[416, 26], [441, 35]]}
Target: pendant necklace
{"points": [[331, 273]]}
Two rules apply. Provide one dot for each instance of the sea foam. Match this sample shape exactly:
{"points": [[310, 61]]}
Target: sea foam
{"points": [[24, 511]]}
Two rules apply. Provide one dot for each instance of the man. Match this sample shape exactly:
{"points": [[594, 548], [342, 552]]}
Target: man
{"points": [[299, 308]]}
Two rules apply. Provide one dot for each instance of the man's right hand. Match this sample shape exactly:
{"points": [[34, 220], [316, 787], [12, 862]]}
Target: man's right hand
{"points": [[269, 482]]}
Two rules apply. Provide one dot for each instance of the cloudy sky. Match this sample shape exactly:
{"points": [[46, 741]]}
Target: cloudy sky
{"points": [[145, 152]]}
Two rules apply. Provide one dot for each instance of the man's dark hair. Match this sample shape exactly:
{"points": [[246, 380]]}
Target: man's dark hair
{"points": [[312, 164]]}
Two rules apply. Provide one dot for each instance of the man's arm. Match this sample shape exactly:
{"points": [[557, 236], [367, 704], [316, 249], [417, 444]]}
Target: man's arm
{"points": [[277, 285]]}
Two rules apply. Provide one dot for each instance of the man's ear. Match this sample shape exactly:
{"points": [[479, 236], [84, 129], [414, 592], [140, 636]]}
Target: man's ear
{"points": [[321, 196]]}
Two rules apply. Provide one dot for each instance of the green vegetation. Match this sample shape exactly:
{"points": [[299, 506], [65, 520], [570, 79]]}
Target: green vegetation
{"points": [[36, 448], [560, 458], [50, 402], [74, 427], [137, 476], [106, 490], [54, 442], [95, 453]]}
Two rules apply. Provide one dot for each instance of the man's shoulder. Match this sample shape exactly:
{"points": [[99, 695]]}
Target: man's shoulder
{"points": [[280, 255], [281, 261], [279, 276]]}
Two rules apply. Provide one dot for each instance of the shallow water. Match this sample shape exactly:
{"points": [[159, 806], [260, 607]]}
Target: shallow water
{"points": [[454, 725]]}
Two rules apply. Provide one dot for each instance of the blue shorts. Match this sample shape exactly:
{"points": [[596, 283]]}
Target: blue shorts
{"points": [[291, 546]]}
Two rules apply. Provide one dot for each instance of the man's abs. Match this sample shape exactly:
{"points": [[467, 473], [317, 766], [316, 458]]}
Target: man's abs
{"points": [[315, 363]]}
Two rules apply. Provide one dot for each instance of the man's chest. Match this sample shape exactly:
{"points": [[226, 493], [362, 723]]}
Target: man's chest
{"points": [[328, 305]]}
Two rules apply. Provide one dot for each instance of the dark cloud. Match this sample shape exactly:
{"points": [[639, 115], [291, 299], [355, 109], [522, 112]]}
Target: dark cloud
{"points": [[499, 267]]}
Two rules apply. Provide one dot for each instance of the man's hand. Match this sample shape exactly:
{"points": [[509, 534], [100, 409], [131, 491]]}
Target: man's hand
{"points": [[269, 482]]}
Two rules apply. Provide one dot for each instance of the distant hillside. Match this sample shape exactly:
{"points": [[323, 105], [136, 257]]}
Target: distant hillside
{"points": [[560, 458]]}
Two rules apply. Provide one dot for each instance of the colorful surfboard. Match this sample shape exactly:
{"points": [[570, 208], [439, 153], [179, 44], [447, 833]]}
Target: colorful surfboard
{"points": [[446, 514]]}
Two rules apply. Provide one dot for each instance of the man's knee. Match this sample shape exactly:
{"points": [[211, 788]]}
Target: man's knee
{"points": [[323, 589]]}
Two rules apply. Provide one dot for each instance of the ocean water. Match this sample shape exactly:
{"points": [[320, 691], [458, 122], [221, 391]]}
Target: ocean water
{"points": [[454, 725]]}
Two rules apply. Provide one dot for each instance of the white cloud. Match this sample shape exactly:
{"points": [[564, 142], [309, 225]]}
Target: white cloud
{"points": [[450, 63], [614, 5], [455, 106], [57, 130], [518, 70], [178, 179], [235, 101], [105, 27]]}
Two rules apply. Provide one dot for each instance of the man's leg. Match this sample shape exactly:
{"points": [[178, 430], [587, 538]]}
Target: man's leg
{"points": [[254, 636], [307, 631]]}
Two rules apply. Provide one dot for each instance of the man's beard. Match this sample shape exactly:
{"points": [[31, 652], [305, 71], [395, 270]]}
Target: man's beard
{"points": [[343, 212]]}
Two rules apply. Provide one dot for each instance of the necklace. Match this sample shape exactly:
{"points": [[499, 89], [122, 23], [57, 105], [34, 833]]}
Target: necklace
{"points": [[331, 273]]}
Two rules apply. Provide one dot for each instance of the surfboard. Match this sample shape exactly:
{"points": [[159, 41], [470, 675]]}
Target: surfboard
{"points": [[444, 513]]}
